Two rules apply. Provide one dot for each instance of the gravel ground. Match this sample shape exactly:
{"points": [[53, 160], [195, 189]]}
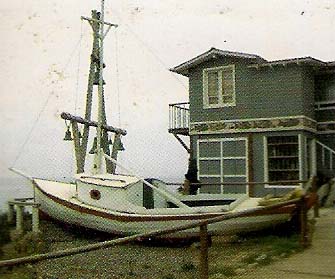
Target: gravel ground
{"points": [[120, 262], [229, 257]]}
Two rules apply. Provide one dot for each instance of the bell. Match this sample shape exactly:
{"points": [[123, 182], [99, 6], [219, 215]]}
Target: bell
{"points": [[80, 135], [94, 147], [96, 79], [110, 142], [68, 135], [119, 145]]}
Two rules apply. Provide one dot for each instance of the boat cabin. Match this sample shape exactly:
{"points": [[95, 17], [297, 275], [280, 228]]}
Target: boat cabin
{"points": [[253, 120]]}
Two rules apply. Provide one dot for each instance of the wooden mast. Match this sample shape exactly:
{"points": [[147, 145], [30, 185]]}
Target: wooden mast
{"points": [[98, 155], [96, 71]]}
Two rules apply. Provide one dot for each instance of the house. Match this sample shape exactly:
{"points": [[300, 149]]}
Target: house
{"points": [[253, 120]]}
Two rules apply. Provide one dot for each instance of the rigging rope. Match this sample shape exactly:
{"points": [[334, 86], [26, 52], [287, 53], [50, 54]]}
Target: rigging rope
{"points": [[150, 50], [18, 156], [78, 68], [117, 78]]}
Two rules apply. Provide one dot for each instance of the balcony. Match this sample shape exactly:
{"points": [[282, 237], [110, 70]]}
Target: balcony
{"points": [[325, 116], [179, 118]]}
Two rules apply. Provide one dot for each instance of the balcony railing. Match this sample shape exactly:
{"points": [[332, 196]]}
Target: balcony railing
{"points": [[179, 114], [325, 105]]}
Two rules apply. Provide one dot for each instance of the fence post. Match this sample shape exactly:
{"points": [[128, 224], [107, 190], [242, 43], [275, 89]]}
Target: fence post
{"points": [[203, 272], [10, 215], [303, 222], [35, 219], [19, 218]]}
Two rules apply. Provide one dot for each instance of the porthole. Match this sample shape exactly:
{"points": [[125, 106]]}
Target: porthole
{"points": [[95, 194]]}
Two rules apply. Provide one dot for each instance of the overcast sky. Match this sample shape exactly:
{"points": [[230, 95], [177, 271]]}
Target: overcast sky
{"points": [[44, 64]]}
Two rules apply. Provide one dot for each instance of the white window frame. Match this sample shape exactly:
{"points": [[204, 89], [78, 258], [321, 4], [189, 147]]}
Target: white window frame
{"points": [[220, 99], [266, 164], [221, 158]]}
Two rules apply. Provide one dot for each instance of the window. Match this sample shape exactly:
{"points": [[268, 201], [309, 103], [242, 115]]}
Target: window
{"points": [[282, 158], [219, 86], [223, 160]]}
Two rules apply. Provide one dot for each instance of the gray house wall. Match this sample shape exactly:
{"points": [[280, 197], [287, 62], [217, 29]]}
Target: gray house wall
{"points": [[260, 93], [258, 157], [277, 91]]}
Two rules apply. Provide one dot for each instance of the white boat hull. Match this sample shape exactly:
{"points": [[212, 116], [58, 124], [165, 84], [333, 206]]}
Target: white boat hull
{"points": [[66, 208]]}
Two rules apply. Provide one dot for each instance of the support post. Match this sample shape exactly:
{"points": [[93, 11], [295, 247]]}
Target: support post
{"points": [[251, 187], [35, 219], [315, 192], [313, 157], [19, 218], [303, 222], [203, 272], [10, 215]]}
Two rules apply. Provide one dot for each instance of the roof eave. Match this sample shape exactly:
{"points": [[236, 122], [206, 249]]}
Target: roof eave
{"points": [[210, 54]]}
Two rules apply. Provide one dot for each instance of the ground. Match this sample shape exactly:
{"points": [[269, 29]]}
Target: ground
{"points": [[228, 256]]}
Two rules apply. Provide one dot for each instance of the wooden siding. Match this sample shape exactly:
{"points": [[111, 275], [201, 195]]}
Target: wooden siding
{"points": [[265, 92]]}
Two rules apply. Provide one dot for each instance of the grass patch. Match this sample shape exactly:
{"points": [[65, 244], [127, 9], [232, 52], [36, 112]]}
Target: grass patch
{"points": [[226, 270], [4, 230], [188, 266], [286, 245], [234, 256], [15, 245], [169, 276]]}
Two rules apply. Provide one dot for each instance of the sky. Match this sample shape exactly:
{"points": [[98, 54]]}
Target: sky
{"points": [[45, 50]]}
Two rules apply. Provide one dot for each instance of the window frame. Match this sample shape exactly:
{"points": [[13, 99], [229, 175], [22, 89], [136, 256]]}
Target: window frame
{"points": [[220, 95], [266, 162]]}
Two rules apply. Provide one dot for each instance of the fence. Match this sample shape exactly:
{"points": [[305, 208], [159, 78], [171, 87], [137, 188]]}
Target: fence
{"points": [[300, 204]]}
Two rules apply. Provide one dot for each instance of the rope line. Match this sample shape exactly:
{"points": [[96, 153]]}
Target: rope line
{"points": [[18, 156], [151, 51], [78, 69], [117, 77], [32, 129]]}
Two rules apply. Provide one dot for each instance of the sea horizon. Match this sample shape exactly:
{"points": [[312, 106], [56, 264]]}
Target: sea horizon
{"points": [[12, 187]]}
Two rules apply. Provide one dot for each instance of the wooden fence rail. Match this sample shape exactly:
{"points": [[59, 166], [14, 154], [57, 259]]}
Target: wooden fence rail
{"points": [[299, 202]]}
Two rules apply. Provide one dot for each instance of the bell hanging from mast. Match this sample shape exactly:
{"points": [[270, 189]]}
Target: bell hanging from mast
{"points": [[94, 146], [110, 142], [68, 135], [118, 144]]}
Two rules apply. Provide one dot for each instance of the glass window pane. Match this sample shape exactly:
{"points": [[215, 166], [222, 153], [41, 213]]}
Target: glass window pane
{"points": [[234, 166], [233, 148], [208, 167], [213, 100], [213, 83], [227, 99], [209, 149]]}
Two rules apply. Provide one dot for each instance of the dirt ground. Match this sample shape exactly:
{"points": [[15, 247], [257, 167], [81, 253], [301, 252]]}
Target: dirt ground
{"points": [[229, 256]]}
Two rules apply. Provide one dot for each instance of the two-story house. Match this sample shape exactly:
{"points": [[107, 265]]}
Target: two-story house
{"points": [[249, 119]]}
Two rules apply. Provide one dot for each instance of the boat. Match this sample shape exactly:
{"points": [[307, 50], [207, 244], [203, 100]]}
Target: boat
{"points": [[125, 204]]}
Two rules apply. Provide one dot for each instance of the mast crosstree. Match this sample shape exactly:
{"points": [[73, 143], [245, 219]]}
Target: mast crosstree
{"points": [[102, 139]]}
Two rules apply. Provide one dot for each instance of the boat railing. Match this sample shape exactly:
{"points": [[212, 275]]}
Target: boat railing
{"points": [[299, 203], [179, 116], [250, 184]]}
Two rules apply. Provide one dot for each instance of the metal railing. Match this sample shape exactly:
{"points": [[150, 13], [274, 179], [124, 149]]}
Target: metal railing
{"points": [[326, 152], [325, 105], [179, 115]]}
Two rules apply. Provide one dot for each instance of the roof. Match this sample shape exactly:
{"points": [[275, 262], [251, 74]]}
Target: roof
{"points": [[300, 60], [256, 61], [210, 54]]}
